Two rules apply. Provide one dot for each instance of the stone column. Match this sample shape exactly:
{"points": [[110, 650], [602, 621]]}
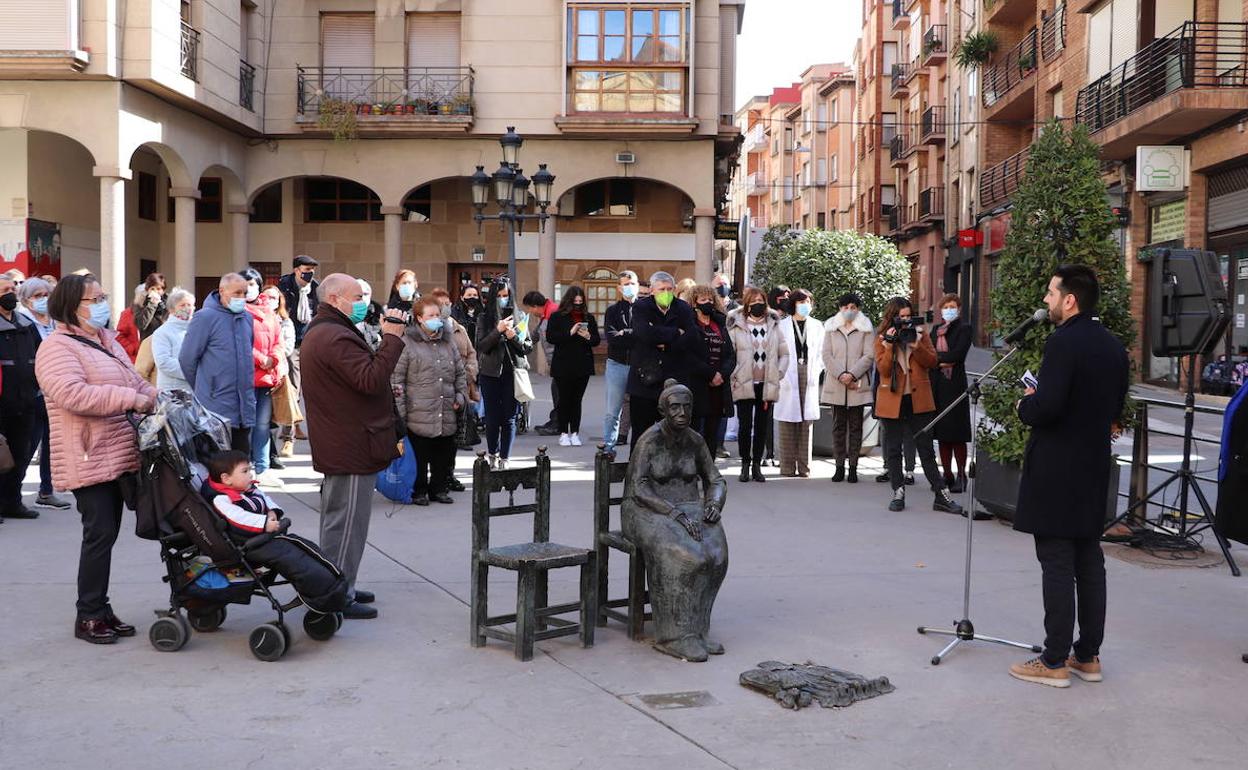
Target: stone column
{"points": [[184, 236], [704, 245], [240, 223], [394, 243], [113, 235], [546, 255]]}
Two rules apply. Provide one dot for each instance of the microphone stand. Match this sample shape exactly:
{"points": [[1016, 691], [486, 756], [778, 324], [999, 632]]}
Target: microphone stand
{"points": [[964, 630]]}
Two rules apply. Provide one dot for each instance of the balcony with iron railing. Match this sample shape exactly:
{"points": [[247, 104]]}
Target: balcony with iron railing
{"points": [[999, 182], [1053, 34], [1004, 80], [755, 184], [388, 99], [932, 125], [893, 215], [897, 150], [900, 77], [932, 204], [935, 44], [901, 19], [1175, 86], [246, 85], [756, 138], [190, 52]]}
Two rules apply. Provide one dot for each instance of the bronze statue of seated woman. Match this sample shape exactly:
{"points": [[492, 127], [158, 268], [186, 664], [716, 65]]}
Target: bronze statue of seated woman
{"points": [[673, 497]]}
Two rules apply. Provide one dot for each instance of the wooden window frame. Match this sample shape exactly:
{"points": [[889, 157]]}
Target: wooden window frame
{"points": [[371, 201], [206, 200], [606, 200], [576, 65], [145, 184]]}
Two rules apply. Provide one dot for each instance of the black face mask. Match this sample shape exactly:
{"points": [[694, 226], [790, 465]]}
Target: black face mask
{"points": [[706, 308], [307, 275], [758, 309], [578, 306], [472, 302], [9, 301]]}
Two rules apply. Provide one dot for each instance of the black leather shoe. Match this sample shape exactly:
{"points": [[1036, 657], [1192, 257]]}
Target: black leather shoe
{"points": [[22, 512], [745, 473], [276, 464], [443, 498], [420, 500], [943, 502], [852, 478], [456, 485], [898, 503], [357, 611], [839, 476], [120, 628], [909, 479], [364, 597], [883, 477], [95, 631], [757, 473]]}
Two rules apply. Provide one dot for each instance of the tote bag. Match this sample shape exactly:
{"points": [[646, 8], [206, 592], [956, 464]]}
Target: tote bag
{"points": [[397, 480]]}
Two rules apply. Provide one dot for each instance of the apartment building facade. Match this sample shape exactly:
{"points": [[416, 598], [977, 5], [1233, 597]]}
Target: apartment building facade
{"points": [[196, 136], [876, 57]]}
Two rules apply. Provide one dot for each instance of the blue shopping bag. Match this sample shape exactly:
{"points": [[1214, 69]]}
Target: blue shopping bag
{"points": [[397, 480]]}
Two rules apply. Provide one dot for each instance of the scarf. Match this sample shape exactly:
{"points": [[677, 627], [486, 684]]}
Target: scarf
{"points": [[303, 313], [942, 346]]}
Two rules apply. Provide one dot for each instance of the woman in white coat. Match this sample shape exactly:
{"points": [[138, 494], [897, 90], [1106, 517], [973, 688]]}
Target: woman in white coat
{"points": [[798, 407]]}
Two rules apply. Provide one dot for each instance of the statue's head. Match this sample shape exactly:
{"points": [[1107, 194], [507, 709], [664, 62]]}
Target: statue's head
{"points": [[676, 404]]}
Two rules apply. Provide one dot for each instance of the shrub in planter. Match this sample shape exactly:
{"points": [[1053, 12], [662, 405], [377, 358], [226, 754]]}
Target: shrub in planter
{"points": [[976, 49]]}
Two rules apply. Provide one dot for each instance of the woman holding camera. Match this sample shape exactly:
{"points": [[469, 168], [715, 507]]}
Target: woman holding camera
{"points": [[848, 354], [952, 340], [798, 407], [573, 331], [904, 356]]}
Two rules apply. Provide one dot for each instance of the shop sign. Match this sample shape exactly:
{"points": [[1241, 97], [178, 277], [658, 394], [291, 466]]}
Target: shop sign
{"points": [[1161, 168], [1167, 222]]}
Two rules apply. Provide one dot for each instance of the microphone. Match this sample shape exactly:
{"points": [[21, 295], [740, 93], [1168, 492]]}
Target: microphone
{"points": [[1037, 317]]}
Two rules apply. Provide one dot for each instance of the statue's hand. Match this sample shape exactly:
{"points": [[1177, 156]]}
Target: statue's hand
{"points": [[712, 514], [690, 526]]}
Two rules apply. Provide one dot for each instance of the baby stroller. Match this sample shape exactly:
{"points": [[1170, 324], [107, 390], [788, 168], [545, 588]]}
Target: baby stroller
{"points": [[206, 569]]}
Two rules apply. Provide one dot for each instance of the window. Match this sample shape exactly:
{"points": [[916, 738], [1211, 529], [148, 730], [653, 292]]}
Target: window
{"points": [[889, 122], [957, 115], [628, 58], [208, 208], [607, 198], [821, 221], [246, 9], [833, 169], [806, 180], [433, 40], [147, 196], [806, 121], [600, 292], [1057, 107], [266, 207], [833, 113], [821, 171], [338, 200], [821, 117], [347, 40], [419, 205]]}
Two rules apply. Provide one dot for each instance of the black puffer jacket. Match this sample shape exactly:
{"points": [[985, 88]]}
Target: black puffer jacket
{"points": [[19, 341], [661, 344]]}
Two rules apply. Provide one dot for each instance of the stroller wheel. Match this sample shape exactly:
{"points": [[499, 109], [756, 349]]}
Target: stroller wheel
{"points": [[267, 642], [169, 634], [319, 626], [209, 620]]}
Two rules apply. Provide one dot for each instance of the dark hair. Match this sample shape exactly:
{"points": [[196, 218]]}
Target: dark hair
{"points": [[950, 297], [252, 274], [534, 299], [1080, 280], [466, 287], [797, 295], [153, 279], [894, 306], [490, 299], [569, 296], [221, 463], [67, 297], [849, 298]]}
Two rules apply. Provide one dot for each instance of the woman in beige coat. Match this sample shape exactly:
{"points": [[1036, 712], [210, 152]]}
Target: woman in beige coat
{"points": [[754, 332], [848, 355]]}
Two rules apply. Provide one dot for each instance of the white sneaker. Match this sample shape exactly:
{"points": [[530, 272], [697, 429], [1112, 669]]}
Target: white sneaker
{"points": [[502, 464], [576, 439], [269, 479], [565, 440]]}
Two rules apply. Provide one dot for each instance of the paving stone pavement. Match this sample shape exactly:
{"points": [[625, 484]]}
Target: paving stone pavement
{"points": [[819, 572]]}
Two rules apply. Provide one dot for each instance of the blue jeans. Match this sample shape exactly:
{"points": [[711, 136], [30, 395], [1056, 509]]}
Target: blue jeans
{"points": [[260, 431], [499, 396], [617, 384]]}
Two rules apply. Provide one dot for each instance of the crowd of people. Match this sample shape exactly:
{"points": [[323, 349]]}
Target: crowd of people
{"points": [[364, 375]]}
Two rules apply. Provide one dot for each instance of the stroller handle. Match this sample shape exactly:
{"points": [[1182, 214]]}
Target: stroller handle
{"points": [[283, 524]]}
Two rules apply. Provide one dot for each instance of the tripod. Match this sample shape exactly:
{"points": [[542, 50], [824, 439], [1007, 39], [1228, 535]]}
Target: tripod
{"points": [[1187, 479], [964, 629]]}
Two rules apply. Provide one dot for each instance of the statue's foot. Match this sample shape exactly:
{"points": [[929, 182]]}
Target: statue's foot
{"points": [[712, 647], [688, 648]]}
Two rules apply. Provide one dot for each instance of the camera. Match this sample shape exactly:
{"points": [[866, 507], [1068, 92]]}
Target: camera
{"points": [[906, 329]]}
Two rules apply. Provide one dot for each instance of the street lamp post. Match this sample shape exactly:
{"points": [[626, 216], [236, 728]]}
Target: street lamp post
{"points": [[510, 189]]}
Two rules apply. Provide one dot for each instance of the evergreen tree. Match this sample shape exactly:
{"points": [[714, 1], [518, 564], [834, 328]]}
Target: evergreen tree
{"points": [[1061, 215]]}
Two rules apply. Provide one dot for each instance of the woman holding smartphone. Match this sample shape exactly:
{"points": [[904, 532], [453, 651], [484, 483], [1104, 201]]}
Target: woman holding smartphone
{"points": [[573, 331], [502, 347]]}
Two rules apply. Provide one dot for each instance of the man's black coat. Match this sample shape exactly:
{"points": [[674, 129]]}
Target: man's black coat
{"points": [[1082, 384]]}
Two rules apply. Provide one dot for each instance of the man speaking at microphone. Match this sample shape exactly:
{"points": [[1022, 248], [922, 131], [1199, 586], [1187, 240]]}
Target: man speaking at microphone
{"points": [[1072, 412]]}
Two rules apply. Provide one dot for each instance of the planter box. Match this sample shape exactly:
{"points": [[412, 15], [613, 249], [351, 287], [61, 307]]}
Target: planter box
{"points": [[821, 441], [996, 488]]}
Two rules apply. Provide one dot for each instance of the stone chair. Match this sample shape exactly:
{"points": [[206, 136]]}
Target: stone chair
{"points": [[606, 473], [530, 561]]}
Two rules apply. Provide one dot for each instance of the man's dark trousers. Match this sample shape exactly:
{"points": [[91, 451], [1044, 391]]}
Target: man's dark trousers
{"points": [[1072, 567]]}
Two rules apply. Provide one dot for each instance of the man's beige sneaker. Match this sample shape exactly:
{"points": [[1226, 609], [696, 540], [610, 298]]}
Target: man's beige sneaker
{"points": [[1088, 672], [1034, 670], [288, 448]]}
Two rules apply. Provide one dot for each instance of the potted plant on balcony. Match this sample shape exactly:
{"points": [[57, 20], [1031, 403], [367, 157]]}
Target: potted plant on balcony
{"points": [[338, 116], [829, 264], [976, 49], [461, 105], [1027, 62], [1060, 216]]}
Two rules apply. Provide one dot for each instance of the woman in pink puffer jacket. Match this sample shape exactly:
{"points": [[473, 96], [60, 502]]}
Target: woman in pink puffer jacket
{"points": [[89, 386]]}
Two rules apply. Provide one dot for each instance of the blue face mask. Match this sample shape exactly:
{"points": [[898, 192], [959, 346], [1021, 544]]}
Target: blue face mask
{"points": [[40, 306], [949, 314], [629, 290], [237, 305], [358, 311], [101, 313], [850, 315], [406, 292], [434, 325], [803, 309], [503, 301]]}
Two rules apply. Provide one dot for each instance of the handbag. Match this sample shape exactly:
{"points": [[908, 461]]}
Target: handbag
{"points": [[467, 430], [524, 388], [286, 404], [6, 456], [397, 480], [650, 372]]}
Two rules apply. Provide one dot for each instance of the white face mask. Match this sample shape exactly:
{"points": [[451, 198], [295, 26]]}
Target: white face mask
{"points": [[253, 291], [950, 314]]}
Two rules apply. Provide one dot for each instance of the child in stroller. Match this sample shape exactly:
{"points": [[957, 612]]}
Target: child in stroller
{"points": [[209, 562]]}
